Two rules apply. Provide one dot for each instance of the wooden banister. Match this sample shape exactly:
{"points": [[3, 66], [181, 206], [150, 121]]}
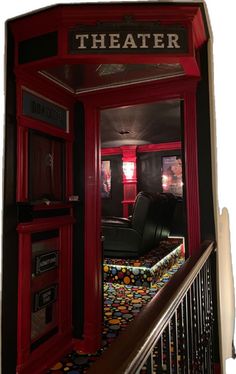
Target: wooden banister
{"points": [[132, 347]]}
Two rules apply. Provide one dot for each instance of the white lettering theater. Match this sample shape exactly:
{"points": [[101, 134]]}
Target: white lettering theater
{"points": [[133, 41]]}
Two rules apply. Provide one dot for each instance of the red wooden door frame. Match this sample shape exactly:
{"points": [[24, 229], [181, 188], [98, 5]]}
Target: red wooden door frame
{"points": [[94, 103], [153, 92]]}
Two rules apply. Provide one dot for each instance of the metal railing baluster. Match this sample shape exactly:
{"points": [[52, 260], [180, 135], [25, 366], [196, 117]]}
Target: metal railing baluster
{"points": [[186, 337], [175, 343], [160, 355], [168, 349], [150, 364], [190, 329]]}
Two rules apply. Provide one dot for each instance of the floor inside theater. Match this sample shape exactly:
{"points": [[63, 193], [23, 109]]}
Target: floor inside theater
{"points": [[124, 300]]}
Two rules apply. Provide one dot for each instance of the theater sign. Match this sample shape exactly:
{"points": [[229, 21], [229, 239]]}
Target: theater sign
{"points": [[128, 37]]}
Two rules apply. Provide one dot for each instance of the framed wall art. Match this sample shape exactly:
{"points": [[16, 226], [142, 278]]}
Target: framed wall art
{"points": [[106, 179], [172, 180]]}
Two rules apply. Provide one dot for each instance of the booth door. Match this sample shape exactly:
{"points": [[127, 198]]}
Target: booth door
{"points": [[45, 228]]}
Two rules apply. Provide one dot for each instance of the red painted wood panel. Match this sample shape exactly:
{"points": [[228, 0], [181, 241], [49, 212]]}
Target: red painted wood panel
{"points": [[92, 236], [28, 360], [191, 172]]}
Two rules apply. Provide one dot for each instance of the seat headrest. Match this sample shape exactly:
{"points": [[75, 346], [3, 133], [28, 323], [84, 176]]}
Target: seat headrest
{"points": [[141, 210]]}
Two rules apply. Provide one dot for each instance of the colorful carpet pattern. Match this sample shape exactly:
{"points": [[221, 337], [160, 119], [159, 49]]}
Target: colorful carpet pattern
{"points": [[121, 304], [146, 270]]}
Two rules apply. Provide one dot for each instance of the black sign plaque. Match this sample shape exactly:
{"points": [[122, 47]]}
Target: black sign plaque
{"points": [[45, 297], [44, 110], [128, 37], [46, 262]]}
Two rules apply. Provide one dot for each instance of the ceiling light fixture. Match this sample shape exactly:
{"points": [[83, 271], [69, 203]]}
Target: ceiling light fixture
{"points": [[124, 132], [109, 69]]}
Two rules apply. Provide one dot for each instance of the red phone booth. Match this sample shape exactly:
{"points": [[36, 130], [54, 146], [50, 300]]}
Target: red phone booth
{"points": [[66, 65]]}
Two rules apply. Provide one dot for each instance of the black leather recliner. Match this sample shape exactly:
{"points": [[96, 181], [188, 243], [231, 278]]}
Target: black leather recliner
{"points": [[167, 214], [129, 238]]}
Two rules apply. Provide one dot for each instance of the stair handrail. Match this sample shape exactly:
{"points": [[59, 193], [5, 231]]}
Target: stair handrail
{"points": [[131, 348]]}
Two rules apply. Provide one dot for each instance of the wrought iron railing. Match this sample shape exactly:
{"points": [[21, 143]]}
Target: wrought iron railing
{"points": [[175, 332]]}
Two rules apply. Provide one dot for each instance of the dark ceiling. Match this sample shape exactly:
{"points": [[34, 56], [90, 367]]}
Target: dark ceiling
{"points": [[150, 123], [81, 78]]}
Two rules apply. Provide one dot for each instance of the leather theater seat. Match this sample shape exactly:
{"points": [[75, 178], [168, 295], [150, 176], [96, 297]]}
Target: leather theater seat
{"points": [[129, 238], [168, 214]]}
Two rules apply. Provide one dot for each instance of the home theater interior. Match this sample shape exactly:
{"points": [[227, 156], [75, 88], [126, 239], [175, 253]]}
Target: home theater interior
{"points": [[109, 262]]}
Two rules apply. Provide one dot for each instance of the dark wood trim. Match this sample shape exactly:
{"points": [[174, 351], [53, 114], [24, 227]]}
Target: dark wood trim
{"points": [[78, 267], [10, 240], [204, 151]]}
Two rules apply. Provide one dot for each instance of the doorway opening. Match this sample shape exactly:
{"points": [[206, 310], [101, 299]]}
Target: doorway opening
{"points": [[142, 180], [153, 133]]}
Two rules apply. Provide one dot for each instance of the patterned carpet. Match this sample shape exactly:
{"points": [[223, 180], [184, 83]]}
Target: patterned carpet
{"points": [[147, 269], [121, 304]]}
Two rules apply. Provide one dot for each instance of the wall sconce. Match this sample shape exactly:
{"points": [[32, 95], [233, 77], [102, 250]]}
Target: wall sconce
{"points": [[128, 169]]}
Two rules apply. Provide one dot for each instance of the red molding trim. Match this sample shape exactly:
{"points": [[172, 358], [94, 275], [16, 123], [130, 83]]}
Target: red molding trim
{"points": [[129, 181], [191, 173], [199, 33], [159, 147], [30, 123], [44, 206], [143, 148], [46, 20], [165, 89], [129, 151], [39, 85], [69, 170], [93, 287], [22, 164], [111, 151], [38, 225]]}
